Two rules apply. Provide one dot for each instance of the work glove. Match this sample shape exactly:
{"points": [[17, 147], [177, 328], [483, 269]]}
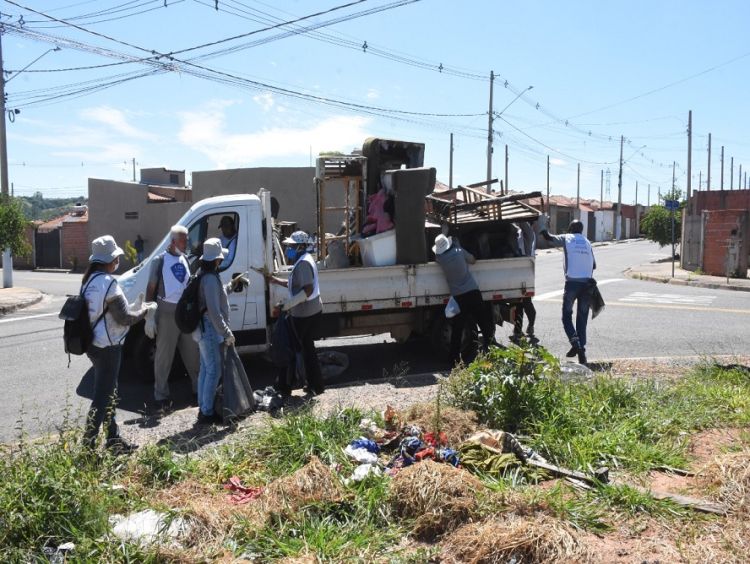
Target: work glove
{"points": [[240, 280], [296, 299], [229, 341], [138, 303], [543, 222], [150, 326]]}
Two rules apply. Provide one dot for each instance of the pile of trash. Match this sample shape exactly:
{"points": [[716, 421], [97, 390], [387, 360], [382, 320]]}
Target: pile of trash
{"points": [[399, 445]]}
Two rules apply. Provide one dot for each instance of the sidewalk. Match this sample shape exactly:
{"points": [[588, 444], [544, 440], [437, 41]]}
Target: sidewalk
{"points": [[12, 299], [662, 272]]}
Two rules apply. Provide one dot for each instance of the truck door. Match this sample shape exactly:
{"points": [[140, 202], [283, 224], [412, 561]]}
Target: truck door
{"points": [[230, 225]]}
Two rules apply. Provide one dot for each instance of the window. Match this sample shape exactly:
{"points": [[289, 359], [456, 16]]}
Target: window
{"points": [[131, 215], [225, 226], [174, 179]]}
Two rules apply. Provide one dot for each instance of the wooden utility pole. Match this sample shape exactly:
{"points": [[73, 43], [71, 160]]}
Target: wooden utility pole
{"points": [[507, 187], [721, 184], [133, 169], [547, 183], [450, 166], [618, 227], [708, 173], [490, 133]]}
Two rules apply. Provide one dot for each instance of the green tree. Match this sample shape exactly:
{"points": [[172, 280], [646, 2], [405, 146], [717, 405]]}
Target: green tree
{"points": [[13, 226], [656, 224]]}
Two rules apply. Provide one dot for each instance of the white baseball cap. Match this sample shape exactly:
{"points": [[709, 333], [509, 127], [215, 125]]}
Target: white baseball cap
{"points": [[442, 244], [104, 249], [213, 250]]}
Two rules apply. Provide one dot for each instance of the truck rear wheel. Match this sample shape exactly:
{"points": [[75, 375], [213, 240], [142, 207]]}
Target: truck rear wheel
{"points": [[440, 338]]}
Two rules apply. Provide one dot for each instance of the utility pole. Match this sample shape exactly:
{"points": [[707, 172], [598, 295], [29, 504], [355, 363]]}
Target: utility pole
{"points": [[739, 179], [708, 173], [618, 227], [722, 168], [601, 190], [506, 169], [490, 133], [648, 196], [700, 179], [731, 173], [547, 183], [690, 154], [450, 167], [636, 194], [578, 192], [674, 165], [133, 169], [7, 257]]}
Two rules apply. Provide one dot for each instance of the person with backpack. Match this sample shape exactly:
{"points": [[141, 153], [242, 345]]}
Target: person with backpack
{"points": [[168, 278], [306, 311], [213, 305], [110, 316]]}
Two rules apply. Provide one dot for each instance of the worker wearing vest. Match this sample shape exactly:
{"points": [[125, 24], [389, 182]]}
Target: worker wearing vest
{"points": [[168, 279], [306, 311], [579, 265]]}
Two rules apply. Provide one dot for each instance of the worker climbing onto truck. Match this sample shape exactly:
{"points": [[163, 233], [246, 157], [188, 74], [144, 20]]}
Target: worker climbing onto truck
{"points": [[526, 241], [579, 265], [306, 310], [455, 262]]}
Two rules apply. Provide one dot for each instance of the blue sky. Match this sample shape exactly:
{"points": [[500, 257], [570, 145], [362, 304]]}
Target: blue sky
{"points": [[579, 56]]}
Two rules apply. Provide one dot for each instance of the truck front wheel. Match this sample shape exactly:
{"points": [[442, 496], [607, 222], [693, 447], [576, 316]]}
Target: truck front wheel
{"points": [[139, 356]]}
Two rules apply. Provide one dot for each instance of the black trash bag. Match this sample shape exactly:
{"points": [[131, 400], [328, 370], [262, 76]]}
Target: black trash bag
{"points": [[597, 302], [282, 342], [234, 395]]}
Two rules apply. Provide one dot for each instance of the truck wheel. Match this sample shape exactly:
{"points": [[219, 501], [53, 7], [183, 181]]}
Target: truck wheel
{"points": [[440, 338]]}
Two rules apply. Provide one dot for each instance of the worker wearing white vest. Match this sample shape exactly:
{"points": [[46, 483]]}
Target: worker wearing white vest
{"points": [[168, 278], [306, 310], [579, 265]]}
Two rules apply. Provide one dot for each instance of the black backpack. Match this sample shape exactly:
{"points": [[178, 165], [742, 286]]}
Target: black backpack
{"points": [[187, 314], [78, 332]]}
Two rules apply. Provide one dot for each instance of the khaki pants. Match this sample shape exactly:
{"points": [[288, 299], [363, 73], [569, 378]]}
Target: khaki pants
{"points": [[169, 338]]}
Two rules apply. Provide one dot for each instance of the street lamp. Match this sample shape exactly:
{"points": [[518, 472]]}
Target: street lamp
{"points": [[498, 114], [7, 256]]}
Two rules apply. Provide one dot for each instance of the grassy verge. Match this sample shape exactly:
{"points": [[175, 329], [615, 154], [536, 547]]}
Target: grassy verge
{"points": [[56, 492]]}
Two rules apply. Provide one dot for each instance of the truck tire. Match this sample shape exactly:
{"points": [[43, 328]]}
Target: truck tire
{"points": [[440, 338]]}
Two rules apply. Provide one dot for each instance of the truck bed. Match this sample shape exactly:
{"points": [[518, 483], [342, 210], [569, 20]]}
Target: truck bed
{"points": [[411, 286]]}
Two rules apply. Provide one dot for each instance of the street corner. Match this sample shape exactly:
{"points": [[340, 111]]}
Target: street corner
{"points": [[12, 299]]}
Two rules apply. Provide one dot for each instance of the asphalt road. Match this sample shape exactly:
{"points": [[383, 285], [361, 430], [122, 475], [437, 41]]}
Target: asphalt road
{"points": [[641, 319]]}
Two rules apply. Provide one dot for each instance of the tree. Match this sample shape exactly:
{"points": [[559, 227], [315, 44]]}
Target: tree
{"points": [[13, 226], [657, 223]]}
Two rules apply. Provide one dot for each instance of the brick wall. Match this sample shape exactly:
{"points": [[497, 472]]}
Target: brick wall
{"points": [[719, 200], [75, 244], [719, 227]]}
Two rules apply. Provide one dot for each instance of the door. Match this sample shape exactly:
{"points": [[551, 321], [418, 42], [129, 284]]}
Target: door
{"points": [[48, 249], [231, 227]]}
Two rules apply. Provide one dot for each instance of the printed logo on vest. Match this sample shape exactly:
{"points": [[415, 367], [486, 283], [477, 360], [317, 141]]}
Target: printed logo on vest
{"points": [[179, 271]]}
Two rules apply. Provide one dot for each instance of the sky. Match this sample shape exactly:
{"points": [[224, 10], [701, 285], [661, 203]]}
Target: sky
{"points": [[417, 71]]}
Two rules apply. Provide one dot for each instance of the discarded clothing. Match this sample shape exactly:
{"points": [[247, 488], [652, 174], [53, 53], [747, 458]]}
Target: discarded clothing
{"points": [[497, 452], [243, 493], [436, 439], [268, 399], [378, 220], [361, 455], [362, 472], [365, 443]]}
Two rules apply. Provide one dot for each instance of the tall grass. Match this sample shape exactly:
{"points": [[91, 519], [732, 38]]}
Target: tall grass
{"points": [[631, 423]]}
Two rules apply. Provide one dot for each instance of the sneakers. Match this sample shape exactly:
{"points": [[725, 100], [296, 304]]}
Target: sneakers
{"points": [[120, 447], [164, 406], [530, 331], [574, 350], [212, 419]]}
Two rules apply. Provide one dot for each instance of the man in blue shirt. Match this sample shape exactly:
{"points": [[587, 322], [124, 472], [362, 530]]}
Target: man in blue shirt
{"points": [[579, 265]]}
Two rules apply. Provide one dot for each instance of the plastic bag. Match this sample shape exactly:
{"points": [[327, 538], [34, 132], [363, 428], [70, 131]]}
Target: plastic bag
{"points": [[452, 308]]}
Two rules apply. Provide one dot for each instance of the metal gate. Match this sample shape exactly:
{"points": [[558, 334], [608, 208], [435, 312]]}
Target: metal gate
{"points": [[48, 249]]}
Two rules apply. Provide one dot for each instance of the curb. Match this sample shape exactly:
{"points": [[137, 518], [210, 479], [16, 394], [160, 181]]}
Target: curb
{"points": [[5, 310], [635, 275]]}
